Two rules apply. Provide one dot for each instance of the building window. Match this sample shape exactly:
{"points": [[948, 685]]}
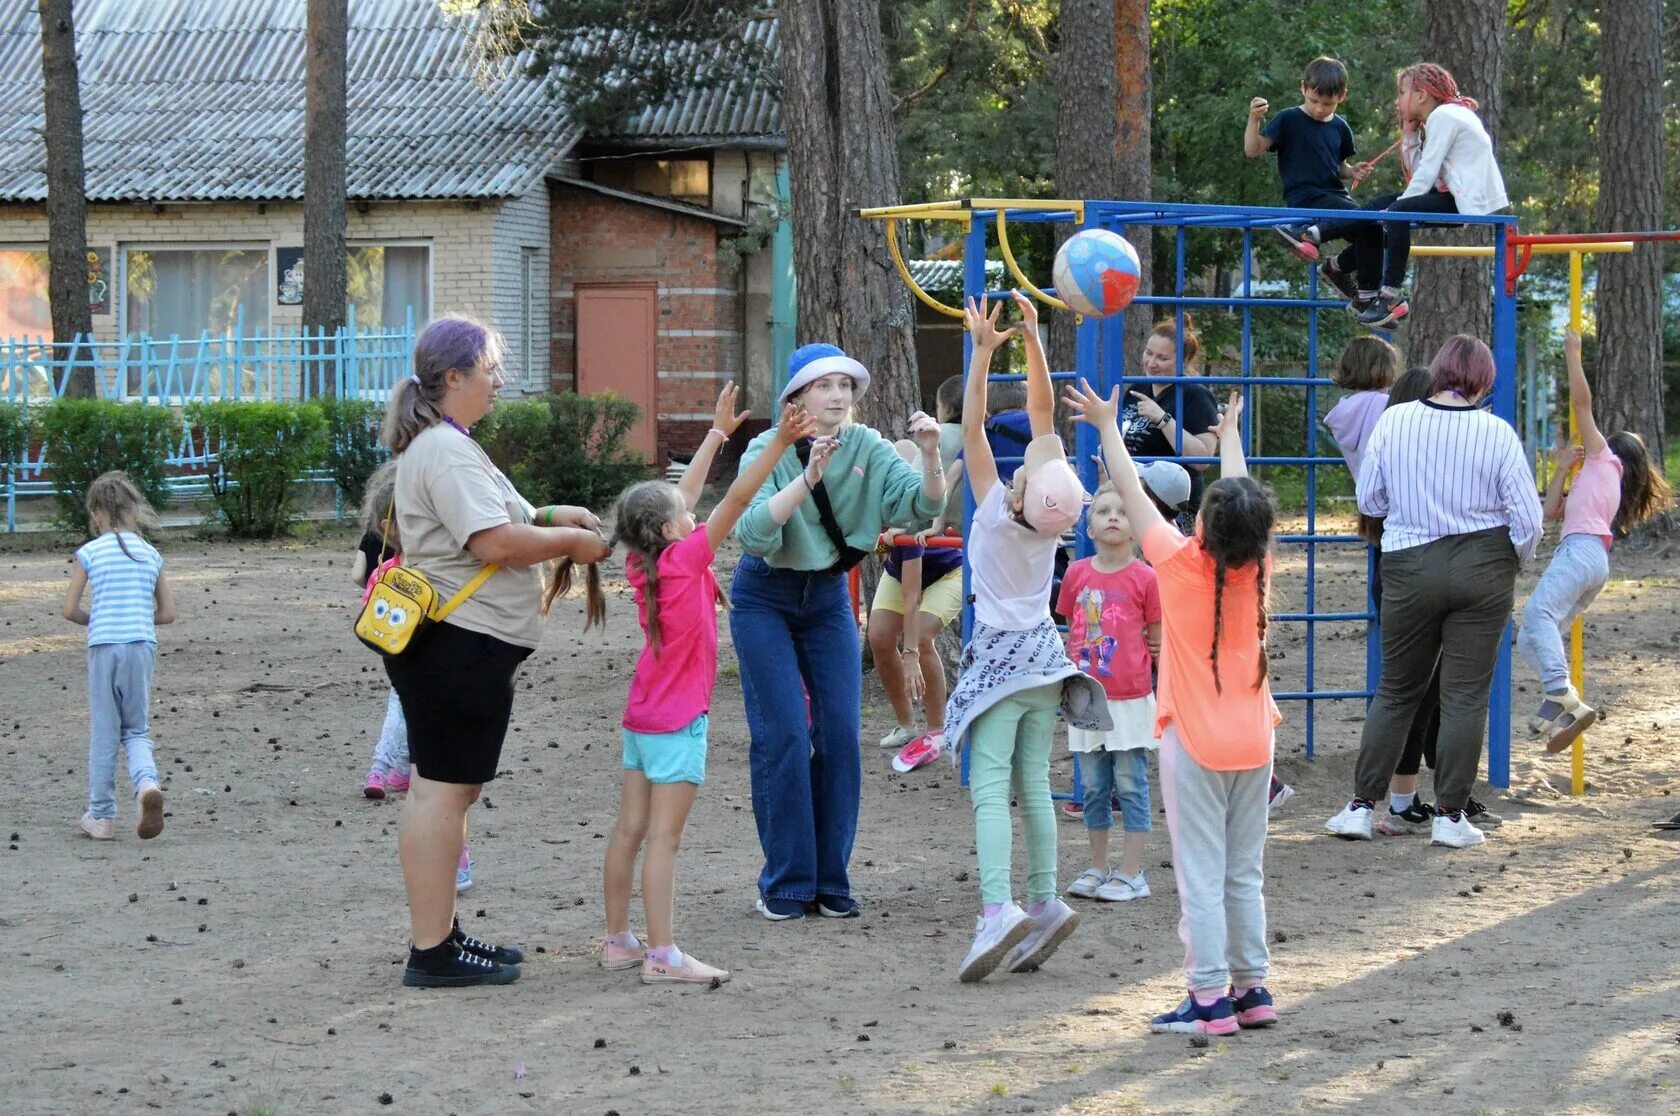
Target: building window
{"points": [[187, 292], [685, 180], [386, 281], [24, 311], [530, 310]]}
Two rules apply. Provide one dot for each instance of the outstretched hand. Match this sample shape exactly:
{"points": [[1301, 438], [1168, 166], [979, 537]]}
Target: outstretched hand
{"points": [[1232, 418], [1572, 345], [1088, 406], [1028, 308], [982, 319], [795, 426], [724, 417]]}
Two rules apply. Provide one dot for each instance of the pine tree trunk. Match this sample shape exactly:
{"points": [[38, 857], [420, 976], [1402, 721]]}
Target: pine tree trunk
{"points": [[324, 266], [1086, 67], [67, 267], [1134, 174], [1630, 198], [842, 156], [1451, 296]]}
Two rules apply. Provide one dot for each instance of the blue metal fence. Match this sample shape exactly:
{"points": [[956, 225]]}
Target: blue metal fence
{"points": [[1101, 359], [271, 366]]}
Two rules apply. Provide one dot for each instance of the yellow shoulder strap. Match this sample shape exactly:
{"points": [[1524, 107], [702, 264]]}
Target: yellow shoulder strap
{"points": [[466, 591]]}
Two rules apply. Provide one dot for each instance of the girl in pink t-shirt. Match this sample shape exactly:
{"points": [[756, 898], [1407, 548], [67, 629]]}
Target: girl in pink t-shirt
{"points": [[665, 719], [1615, 490]]}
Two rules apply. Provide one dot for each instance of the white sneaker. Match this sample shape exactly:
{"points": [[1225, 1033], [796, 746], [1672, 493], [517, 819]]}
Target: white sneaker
{"points": [[1455, 832], [1050, 929], [1085, 887], [1282, 794], [1119, 889], [1354, 822], [898, 738], [993, 938]]}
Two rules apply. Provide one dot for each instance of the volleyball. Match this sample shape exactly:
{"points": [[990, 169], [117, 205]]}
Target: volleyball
{"points": [[1096, 272]]}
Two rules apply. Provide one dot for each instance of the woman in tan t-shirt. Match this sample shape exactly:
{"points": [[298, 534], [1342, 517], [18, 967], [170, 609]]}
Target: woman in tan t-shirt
{"points": [[456, 514]]}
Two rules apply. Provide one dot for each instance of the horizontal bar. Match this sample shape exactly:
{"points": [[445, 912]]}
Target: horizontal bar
{"points": [[1318, 538], [1589, 238], [1120, 209], [1234, 301], [1324, 695], [914, 209], [1486, 250], [1324, 617], [946, 542]]}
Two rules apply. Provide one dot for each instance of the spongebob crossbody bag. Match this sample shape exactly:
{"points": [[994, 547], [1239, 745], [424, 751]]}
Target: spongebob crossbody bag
{"points": [[401, 603]]}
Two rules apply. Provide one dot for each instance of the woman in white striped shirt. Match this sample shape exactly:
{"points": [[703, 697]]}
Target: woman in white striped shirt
{"points": [[1461, 514]]}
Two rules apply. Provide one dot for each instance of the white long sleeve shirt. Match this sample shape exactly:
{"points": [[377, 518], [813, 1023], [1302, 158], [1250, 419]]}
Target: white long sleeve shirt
{"points": [[1457, 150], [1434, 471]]}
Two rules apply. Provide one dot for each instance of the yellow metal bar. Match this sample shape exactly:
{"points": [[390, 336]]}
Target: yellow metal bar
{"points": [[1486, 250], [1015, 268], [1577, 654], [1041, 204], [919, 209], [904, 273]]}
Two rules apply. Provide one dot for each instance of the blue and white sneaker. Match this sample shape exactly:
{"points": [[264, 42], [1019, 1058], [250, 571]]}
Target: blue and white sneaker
{"points": [[1191, 1018], [1254, 1008], [463, 873]]}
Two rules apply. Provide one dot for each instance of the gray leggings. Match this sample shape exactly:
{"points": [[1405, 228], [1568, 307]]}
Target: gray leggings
{"points": [[1451, 599]]}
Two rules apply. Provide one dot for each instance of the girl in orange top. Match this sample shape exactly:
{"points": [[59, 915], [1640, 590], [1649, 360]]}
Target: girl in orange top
{"points": [[1214, 715]]}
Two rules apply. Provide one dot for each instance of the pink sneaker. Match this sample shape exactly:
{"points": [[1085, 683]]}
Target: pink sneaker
{"points": [[618, 957], [374, 787], [920, 752], [690, 970], [396, 781], [100, 829]]}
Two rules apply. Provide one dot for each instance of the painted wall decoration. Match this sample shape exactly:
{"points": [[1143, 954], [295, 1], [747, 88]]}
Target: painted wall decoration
{"points": [[288, 265], [99, 284]]}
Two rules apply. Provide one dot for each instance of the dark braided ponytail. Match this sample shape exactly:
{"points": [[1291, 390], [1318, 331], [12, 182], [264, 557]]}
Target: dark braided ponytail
{"points": [[639, 526], [1237, 518]]}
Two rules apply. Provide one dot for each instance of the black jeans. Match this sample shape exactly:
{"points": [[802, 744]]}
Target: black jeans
{"points": [[1445, 607], [1396, 237], [1426, 725]]}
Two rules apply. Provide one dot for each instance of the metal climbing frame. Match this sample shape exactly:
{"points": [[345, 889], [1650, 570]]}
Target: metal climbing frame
{"points": [[1101, 359]]}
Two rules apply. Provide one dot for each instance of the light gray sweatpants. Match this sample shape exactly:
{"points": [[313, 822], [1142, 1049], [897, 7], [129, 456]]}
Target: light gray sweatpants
{"points": [[119, 701], [391, 753], [1217, 820], [1572, 581]]}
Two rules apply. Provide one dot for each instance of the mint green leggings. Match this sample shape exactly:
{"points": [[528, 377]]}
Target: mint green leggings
{"points": [[1014, 737]]}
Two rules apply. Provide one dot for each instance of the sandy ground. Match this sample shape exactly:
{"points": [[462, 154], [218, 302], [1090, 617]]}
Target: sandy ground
{"points": [[248, 961]]}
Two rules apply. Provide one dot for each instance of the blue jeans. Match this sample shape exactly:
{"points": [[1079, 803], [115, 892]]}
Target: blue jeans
{"points": [[119, 697], [795, 635], [1109, 773], [1578, 570]]}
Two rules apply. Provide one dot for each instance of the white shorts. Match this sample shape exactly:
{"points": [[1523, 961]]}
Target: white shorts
{"points": [[1134, 727]]}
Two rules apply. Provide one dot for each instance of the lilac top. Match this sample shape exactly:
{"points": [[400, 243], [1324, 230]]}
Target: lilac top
{"points": [[1351, 421]]}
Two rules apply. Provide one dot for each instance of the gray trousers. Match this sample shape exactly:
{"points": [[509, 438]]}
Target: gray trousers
{"points": [[119, 697], [1450, 598], [1217, 820]]}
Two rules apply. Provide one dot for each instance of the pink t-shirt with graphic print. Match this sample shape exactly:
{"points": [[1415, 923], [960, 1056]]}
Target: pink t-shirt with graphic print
{"points": [[673, 688], [1106, 613], [1595, 497]]}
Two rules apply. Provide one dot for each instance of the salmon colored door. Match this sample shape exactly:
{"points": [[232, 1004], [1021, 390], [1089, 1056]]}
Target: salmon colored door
{"points": [[617, 339]]}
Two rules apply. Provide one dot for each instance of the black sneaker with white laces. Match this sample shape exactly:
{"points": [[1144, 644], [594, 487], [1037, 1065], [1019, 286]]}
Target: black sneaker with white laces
{"points": [[447, 965], [1480, 816], [502, 955]]}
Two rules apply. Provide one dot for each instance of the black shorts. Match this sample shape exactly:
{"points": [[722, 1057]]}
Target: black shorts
{"points": [[456, 689]]}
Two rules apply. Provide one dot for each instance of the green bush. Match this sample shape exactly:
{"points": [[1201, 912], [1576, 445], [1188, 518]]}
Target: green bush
{"points": [[14, 434], [565, 448], [353, 451], [263, 450], [87, 437]]}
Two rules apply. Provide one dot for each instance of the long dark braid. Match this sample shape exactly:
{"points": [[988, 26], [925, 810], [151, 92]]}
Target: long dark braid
{"points": [[1237, 519], [639, 526]]}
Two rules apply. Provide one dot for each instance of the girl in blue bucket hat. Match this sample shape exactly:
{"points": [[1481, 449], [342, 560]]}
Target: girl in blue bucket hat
{"points": [[795, 634]]}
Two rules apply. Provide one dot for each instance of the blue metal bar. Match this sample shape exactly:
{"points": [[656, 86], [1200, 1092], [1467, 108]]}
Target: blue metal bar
{"points": [[1505, 406], [1322, 617], [1319, 695], [1193, 301], [1135, 212], [974, 280]]}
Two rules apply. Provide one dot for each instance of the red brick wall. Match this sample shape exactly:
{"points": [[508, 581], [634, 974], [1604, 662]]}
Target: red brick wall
{"points": [[600, 240]]}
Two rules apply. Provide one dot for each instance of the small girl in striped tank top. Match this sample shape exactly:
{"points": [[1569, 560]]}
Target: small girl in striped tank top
{"points": [[130, 597]]}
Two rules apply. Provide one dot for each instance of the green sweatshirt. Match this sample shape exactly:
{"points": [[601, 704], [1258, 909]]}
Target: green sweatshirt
{"points": [[869, 485]]}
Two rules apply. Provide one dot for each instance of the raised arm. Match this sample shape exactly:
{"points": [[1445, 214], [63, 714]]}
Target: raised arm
{"points": [[977, 452], [1255, 144], [1580, 396], [1041, 393], [795, 425], [724, 423], [1229, 432], [1104, 414]]}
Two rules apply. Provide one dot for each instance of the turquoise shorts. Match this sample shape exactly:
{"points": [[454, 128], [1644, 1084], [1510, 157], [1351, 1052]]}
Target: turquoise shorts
{"points": [[669, 757]]}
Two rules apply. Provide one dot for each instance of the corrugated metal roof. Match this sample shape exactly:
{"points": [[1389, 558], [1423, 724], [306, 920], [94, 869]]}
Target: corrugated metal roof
{"points": [[744, 111], [945, 276], [191, 101]]}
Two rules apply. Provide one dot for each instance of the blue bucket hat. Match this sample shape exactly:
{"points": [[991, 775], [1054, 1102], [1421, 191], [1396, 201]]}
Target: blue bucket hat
{"points": [[813, 362]]}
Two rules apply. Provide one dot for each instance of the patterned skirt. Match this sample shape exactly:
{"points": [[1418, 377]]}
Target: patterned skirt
{"points": [[998, 663]]}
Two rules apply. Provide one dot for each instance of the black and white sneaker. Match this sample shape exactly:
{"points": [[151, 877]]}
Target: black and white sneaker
{"points": [[1384, 312], [1480, 816], [447, 965], [502, 955], [1415, 818], [1341, 280]]}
